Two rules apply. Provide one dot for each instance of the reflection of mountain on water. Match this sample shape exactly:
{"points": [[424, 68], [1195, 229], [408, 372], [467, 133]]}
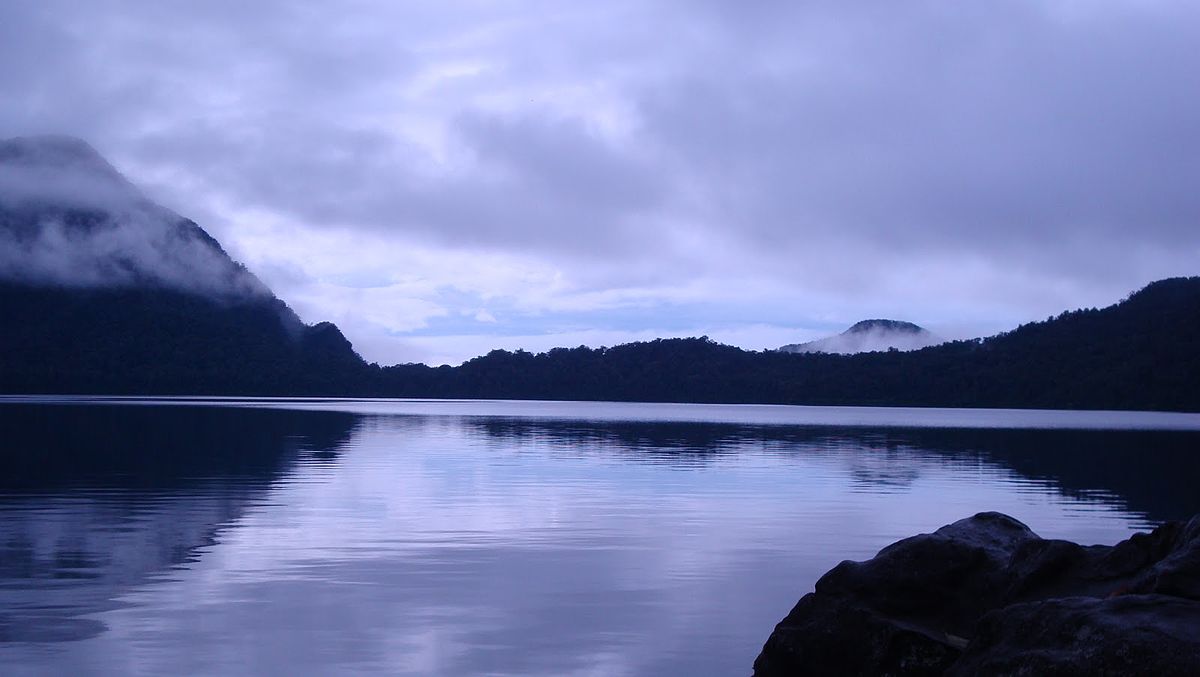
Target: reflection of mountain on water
{"points": [[95, 500], [1151, 472], [159, 447]]}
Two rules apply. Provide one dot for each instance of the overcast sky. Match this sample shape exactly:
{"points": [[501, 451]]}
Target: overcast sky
{"points": [[442, 178]]}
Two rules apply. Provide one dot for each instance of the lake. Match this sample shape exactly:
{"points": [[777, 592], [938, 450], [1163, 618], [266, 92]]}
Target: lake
{"points": [[228, 536]]}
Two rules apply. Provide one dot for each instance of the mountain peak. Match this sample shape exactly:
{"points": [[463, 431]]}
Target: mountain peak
{"points": [[55, 152], [68, 217], [898, 326], [870, 336], [46, 147], [63, 170]]}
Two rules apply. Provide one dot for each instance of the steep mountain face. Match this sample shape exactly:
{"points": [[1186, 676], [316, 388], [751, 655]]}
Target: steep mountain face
{"points": [[869, 336], [101, 290], [68, 218]]}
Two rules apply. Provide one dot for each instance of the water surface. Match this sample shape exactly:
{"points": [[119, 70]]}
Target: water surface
{"points": [[192, 535]]}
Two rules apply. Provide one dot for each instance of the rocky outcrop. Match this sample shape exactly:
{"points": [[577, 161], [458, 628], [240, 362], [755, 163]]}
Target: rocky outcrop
{"points": [[986, 595]]}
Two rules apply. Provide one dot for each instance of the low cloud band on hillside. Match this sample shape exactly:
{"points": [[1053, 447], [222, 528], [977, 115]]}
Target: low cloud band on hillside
{"points": [[68, 218]]}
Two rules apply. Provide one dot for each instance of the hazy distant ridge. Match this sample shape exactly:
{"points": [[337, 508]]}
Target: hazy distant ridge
{"points": [[870, 336]]}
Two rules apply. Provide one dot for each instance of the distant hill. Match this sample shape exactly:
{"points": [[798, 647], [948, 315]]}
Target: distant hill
{"points": [[101, 290], [869, 336]]}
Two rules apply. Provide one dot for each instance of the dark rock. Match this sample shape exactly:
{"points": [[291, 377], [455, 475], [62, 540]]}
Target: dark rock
{"points": [[1127, 635], [941, 581], [822, 633], [986, 595], [1177, 572]]}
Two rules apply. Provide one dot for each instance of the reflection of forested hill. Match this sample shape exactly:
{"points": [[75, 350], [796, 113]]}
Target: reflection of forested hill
{"points": [[95, 499], [158, 447], [1152, 473]]}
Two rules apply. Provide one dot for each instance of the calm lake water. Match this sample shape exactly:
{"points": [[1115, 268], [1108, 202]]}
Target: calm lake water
{"points": [[201, 536]]}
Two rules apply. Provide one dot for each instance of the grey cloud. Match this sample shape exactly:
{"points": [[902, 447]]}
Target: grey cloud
{"points": [[133, 247], [561, 159], [817, 144], [61, 171], [537, 184], [276, 94], [970, 127]]}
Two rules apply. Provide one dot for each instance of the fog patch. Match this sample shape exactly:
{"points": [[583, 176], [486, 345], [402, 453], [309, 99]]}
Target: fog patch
{"points": [[870, 336], [68, 218], [125, 250], [61, 171]]}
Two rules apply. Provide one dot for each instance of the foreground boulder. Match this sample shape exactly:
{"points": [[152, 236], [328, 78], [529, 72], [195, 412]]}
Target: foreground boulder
{"points": [[986, 595]]}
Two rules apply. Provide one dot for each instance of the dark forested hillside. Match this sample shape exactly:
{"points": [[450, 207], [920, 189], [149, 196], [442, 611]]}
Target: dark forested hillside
{"points": [[159, 340], [1143, 353], [101, 290]]}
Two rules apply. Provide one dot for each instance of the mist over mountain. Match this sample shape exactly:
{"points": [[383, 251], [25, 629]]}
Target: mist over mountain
{"points": [[102, 290], [68, 218], [869, 336]]}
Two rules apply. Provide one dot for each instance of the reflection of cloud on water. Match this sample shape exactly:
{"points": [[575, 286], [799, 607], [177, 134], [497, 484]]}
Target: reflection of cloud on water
{"points": [[98, 500], [69, 556]]}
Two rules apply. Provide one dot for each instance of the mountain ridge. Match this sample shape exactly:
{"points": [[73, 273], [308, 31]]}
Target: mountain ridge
{"points": [[892, 325]]}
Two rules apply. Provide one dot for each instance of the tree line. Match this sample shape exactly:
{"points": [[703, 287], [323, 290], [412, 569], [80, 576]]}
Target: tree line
{"points": [[1142, 353]]}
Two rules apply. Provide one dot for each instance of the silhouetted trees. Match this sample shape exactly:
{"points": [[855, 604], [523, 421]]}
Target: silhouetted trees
{"points": [[1143, 353], [156, 340]]}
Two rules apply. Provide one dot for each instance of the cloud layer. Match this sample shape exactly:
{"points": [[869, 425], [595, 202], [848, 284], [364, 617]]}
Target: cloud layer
{"points": [[541, 169], [67, 217]]}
